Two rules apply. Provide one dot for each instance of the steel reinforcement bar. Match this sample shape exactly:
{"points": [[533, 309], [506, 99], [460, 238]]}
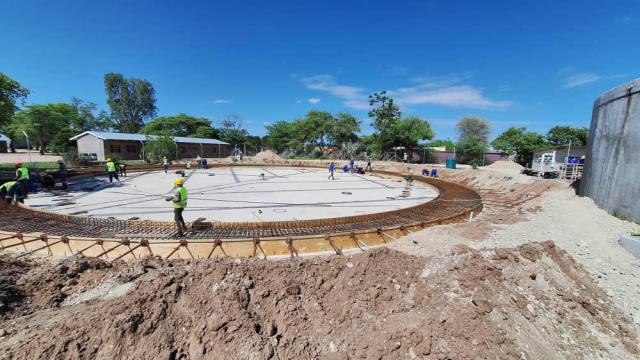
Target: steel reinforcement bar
{"points": [[130, 238]]}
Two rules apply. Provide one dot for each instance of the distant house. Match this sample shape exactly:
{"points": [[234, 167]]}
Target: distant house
{"points": [[438, 156], [97, 145], [4, 143]]}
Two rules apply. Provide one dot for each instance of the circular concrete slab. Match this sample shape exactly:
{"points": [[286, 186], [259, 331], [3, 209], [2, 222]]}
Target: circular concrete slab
{"points": [[238, 194]]}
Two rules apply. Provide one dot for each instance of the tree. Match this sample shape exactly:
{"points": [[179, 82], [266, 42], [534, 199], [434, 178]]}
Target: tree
{"points": [[520, 143], [447, 144], [10, 92], [160, 146], [86, 119], [409, 131], [279, 135], [179, 125], [473, 136], [384, 113], [345, 129], [317, 128], [371, 144], [472, 149], [206, 132], [42, 123], [132, 101], [470, 126], [232, 130], [562, 135]]}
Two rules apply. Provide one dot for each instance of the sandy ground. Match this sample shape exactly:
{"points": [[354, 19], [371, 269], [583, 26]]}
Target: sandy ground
{"points": [[23, 156], [573, 223]]}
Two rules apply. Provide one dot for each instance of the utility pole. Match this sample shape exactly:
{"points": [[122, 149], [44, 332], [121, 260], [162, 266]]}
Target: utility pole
{"points": [[28, 146]]}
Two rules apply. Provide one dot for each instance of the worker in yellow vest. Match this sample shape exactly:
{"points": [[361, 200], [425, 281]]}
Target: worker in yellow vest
{"points": [[112, 170], [11, 190], [179, 204], [22, 177]]}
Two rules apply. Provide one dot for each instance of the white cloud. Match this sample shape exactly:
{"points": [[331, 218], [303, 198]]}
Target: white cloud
{"points": [[313, 100], [441, 91], [220, 101], [463, 96], [580, 79], [353, 96]]}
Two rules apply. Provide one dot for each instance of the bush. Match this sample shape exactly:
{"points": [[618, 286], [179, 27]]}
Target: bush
{"points": [[71, 156], [162, 146]]}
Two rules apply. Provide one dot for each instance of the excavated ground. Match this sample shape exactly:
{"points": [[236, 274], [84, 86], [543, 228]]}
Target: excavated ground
{"points": [[532, 301]]}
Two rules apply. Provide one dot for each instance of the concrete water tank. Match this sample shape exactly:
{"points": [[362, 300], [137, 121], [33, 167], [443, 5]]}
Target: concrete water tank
{"points": [[611, 174]]}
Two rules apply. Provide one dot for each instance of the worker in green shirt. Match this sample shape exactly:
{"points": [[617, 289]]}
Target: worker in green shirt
{"points": [[179, 199], [22, 177], [11, 190], [111, 170]]}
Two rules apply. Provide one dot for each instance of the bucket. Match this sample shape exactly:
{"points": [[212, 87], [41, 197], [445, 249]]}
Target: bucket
{"points": [[451, 163]]}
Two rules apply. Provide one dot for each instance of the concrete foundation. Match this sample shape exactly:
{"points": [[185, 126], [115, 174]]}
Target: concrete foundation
{"points": [[238, 194], [612, 168]]}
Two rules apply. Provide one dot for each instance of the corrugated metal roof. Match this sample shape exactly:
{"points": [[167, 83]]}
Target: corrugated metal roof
{"points": [[141, 137]]}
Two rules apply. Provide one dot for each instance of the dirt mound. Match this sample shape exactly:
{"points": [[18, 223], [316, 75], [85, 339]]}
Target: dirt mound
{"points": [[530, 301], [268, 156], [506, 165]]}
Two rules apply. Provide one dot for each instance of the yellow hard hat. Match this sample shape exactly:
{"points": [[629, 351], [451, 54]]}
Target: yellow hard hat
{"points": [[109, 159], [179, 181]]}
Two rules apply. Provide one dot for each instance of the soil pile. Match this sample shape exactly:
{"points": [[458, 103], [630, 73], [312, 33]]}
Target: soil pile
{"points": [[268, 157], [506, 165], [530, 301]]}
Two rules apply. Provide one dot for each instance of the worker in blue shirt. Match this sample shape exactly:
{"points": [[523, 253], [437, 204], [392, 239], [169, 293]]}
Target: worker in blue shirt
{"points": [[332, 168]]}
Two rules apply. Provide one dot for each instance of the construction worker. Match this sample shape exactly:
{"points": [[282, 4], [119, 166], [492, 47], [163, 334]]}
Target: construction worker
{"points": [[188, 164], [179, 204], [22, 176], [332, 168], [165, 164], [62, 173], [123, 169], [11, 190], [112, 170]]}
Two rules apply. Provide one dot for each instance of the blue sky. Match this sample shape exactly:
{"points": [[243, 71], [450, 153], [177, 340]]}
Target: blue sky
{"points": [[515, 63]]}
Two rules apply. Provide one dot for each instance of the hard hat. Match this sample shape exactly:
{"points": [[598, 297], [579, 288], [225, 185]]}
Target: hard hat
{"points": [[179, 181], [18, 165], [108, 159]]}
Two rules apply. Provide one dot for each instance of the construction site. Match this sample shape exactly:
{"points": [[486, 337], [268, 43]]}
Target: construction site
{"points": [[477, 263], [345, 180]]}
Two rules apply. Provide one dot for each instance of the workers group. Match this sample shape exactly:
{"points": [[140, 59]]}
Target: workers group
{"points": [[352, 167], [16, 190]]}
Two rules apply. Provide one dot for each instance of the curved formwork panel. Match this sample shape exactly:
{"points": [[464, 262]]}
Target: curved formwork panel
{"points": [[612, 166], [27, 230]]}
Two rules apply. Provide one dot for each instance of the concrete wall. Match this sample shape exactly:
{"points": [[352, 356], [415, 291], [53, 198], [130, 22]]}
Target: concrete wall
{"points": [[121, 149], [612, 169], [440, 157], [205, 151], [91, 145]]}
